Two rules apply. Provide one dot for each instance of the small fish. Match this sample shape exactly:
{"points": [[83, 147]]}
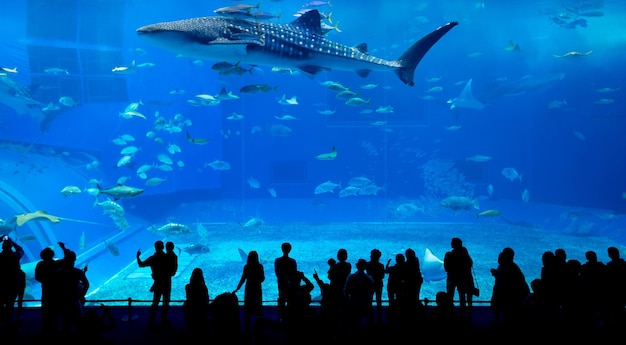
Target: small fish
{"points": [[579, 135], [196, 248], [327, 156], [511, 174], [9, 70], [172, 228], [112, 248], [488, 213], [164, 158], [70, 190], [478, 158], [219, 165], [490, 190], [56, 70], [67, 101], [125, 160], [82, 241], [253, 183], [155, 181], [326, 187], [272, 192], [525, 195], [197, 141]]}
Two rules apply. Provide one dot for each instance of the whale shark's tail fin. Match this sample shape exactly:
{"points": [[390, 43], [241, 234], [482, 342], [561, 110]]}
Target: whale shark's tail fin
{"points": [[409, 60]]}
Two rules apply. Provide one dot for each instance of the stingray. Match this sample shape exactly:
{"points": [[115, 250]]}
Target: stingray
{"points": [[21, 219], [466, 99], [432, 267]]}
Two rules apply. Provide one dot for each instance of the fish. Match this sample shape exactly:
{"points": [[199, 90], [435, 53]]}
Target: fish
{"points": [[460, 203], [120, 191], [327, 156], [196, 248], [511, 174], [82, 241], [359, 181], [525, 195], [432, 267], [253, 223], [573, 54], [112, 248], [326, 187], [272, 192], [130, 69], [68, 101], [21, 219], [219, 165], [253, 183], [56, 70], [488, 213], [300, 44], [466, 99], [172, 228], [478, 158], [70, 190], [197, 141], [155, 181]]}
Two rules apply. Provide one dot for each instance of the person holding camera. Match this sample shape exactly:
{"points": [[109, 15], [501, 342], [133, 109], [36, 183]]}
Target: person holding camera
{"points": [[10, 284], [458, 265]]}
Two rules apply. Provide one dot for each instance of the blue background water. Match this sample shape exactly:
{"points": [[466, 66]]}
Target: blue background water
{"points": [[582, 176]]}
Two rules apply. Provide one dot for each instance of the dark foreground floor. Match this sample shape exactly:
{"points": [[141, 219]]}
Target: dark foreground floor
{"points": [[136, 331]]}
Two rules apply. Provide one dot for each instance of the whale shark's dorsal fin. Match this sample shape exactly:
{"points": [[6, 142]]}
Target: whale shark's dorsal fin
{"points": [[362, 48], [311, 21]]}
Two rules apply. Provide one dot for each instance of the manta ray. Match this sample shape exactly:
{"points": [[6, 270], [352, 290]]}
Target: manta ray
{"points": [[21, 219], [466, 99], [300, 44], [432, 267]]}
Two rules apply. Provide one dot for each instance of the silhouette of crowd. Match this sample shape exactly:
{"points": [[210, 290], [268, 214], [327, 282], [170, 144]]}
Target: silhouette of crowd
{"points": [[568, 298]]}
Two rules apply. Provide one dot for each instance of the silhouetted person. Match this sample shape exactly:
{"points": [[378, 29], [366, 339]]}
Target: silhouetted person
{"points": [[286, 269], [92, 327], [11, 278], [616, 288], [162, 275], [196, 305], [45, 274], [510, 290], [458, 265], [395, 285], [443, 318], [325, 296], [253, 276], [299, 317], [376, 270], [593, 289], [550, 288], [571, 311], [172, 257], [337, 276], [359, 292], [72, 285], [413, 279]]}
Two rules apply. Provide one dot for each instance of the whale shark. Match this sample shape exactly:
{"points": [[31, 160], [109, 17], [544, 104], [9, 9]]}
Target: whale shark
{"points": [[300, 44]]}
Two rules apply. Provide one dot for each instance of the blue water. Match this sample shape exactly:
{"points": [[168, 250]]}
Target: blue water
{"points": [[545, 115]]}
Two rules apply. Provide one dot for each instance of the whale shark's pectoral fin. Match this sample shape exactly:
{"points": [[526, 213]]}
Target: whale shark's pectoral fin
{"points": [[245, 38], [311, 70]]}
